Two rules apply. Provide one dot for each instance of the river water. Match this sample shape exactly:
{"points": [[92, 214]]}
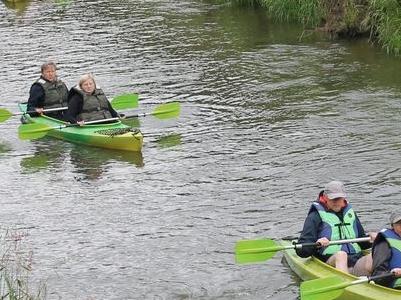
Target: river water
{"points": [[267, 119]]}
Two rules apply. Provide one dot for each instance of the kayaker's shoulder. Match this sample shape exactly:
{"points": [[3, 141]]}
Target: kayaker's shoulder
{"points": [[41, 81], [74, 92]]}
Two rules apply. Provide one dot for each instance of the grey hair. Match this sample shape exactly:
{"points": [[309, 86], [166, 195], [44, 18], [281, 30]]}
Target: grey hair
{"points": [[48, 64], [84, 78]]}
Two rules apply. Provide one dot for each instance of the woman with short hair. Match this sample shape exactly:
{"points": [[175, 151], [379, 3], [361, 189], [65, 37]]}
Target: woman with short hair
{"points": [[87, 102]]}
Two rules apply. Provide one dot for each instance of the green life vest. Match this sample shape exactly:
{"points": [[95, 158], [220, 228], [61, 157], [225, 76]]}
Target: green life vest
{"points": [[56, 93], [334, 229], [95, 106]]}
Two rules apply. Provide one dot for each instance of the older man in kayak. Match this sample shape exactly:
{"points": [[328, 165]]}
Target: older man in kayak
{"points": [[48, 92], [386, 252], [332, 218]]}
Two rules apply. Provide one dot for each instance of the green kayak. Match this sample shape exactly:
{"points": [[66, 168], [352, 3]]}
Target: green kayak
{"points": [[114, 135], [312, 268]]}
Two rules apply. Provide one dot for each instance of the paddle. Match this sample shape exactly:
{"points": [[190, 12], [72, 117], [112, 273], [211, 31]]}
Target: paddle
{"points": [[332, 287], [5, 114], [124, 101], [249, 251], [162, 111], [32, 131]]}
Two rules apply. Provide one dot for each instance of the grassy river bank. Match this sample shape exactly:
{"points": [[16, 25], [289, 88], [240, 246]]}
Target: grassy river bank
{"points": [[380, 20]]}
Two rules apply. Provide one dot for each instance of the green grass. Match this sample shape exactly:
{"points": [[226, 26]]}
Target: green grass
{"points": [[385, 19], [308, 12]]}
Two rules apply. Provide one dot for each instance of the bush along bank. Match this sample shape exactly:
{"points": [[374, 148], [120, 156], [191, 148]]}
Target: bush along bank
{"points": [[380, 20]]}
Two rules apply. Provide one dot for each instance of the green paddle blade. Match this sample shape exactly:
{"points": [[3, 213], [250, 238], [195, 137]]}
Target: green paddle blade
{"points": [[33, 131], [125, 101], [4, 115], [255, 250], [167, 110], [323, 288]]}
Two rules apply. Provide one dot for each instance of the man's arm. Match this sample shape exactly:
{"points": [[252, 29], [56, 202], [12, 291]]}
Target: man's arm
{"points": [[36, 99], [309, 234]]}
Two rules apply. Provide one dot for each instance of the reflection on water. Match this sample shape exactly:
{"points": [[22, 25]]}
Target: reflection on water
{"points": [[170, 140], [48, 154], [62, 3], [52, 154], [22, 5], [18, 5], [5, 148], [36, 162], [91, 162]]}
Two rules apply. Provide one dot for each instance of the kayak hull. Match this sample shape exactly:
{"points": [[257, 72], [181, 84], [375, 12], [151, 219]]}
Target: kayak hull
{"points": [[313, 268], [96, 135]]}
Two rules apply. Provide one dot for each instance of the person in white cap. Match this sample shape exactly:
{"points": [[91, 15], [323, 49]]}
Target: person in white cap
{"points": [[332, 218], [386, 252]]}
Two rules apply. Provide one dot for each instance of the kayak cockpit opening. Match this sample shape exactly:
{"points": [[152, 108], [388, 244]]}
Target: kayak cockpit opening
{"points": [[118, 131]]}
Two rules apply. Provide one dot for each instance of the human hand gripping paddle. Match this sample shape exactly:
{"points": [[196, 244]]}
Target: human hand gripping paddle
{"points": [[252, 251], [124, 101], [328, 288], [36, 130]]}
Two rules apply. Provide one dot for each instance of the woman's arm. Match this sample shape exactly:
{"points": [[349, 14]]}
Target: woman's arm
{"points": [[75, 103], [381, 254], [114, 114]]}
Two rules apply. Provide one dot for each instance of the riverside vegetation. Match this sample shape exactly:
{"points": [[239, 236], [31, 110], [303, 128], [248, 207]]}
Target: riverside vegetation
{"points": [[379, 20], [16, 267]]}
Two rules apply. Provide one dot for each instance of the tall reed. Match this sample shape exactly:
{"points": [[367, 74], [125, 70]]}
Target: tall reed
{"points": [[385, 19], [308, 12], [15, 268]]}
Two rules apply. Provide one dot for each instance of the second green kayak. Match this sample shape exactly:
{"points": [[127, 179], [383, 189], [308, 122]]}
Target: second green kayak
{"points": [[313, 268], [111, 136]]}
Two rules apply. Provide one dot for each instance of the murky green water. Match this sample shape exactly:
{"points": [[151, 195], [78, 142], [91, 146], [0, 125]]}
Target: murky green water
{"points": [[266, 121]]}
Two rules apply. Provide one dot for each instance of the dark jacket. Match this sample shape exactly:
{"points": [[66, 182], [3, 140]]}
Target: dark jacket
{"points": [[310, 234], [381, 254], [37, 98], [75, 105]]}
